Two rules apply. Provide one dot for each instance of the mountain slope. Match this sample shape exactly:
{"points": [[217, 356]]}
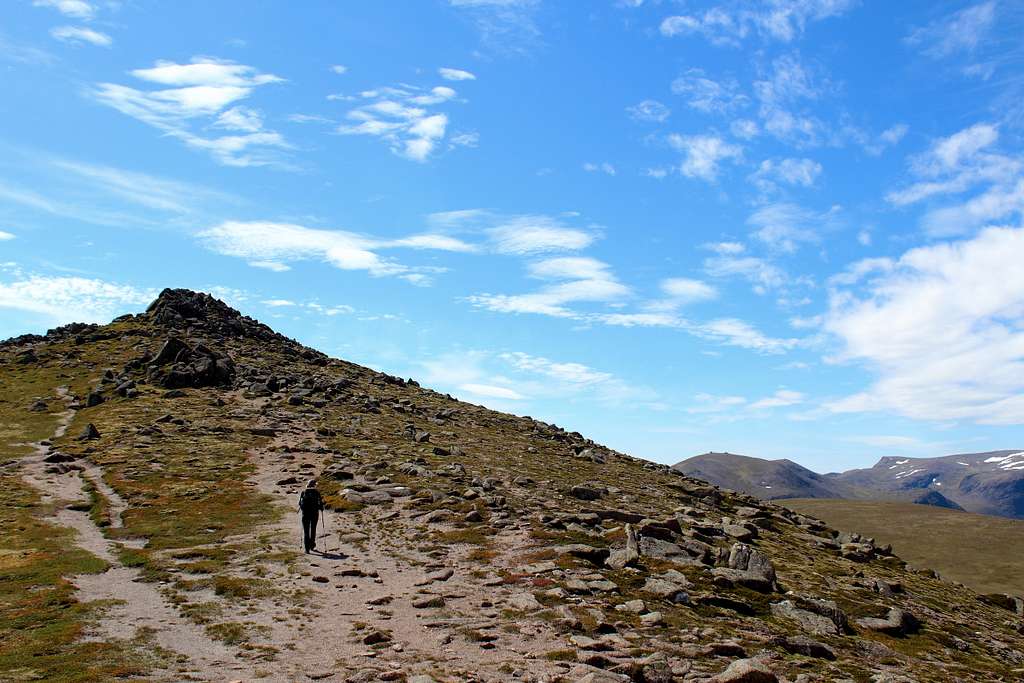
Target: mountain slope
{"points": [[988, 549], [990, 483], [149, 471], [766, 479]]}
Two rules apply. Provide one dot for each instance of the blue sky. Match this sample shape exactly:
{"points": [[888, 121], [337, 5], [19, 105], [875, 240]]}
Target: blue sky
{"points": [[789, 228]]}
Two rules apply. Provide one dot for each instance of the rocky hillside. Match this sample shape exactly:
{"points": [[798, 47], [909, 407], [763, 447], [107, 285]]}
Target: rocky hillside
{"points": [[149, 471], [765, 479]]}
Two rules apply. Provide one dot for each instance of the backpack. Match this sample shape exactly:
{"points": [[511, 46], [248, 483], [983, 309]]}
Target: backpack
{"points": [[310, 501]]}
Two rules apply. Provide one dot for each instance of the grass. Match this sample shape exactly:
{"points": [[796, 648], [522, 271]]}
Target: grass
{"points": [[40, 621], [980, 551]]}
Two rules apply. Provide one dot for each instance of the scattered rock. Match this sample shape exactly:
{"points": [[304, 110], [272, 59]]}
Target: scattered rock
{"points": [[746, 671], [897, 622], [89, 433], [587, 492]]}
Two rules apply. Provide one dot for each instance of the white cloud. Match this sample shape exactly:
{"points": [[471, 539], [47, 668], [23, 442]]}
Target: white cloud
{"points": [[270, 245], [649, 110], [523, 235], [455, 74], [784, 226], [273, 266], [199, 92], [572, 373], [780, 399], [576, 280], [961, 31], [726, 248], [278, 303], [505, 26], [79, 34], [80, 9], [781, 20], [780, 92], [339, 69], [957, 164], [400, 116], [864, 238], [711, 403], [708, 96], [241, 119], [702, 154], [943, 329], [491, 391], [799, 172], [603, 167], [5, 236], [894, 134], [71, 299], [733, 332], [745, 129], [759, 272], [684, 290]]}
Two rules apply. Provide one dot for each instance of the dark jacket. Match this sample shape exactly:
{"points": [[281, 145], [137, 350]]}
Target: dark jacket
{"points": [[311, 502]]}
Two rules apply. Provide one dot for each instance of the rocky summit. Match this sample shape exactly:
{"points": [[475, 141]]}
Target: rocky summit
{"points": [[151, 470]]}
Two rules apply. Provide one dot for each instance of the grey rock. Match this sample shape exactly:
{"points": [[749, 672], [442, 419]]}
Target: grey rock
{"points": [[746, 671]]}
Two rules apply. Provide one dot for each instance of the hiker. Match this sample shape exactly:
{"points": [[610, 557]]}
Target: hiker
{"points": [[311, 504]]}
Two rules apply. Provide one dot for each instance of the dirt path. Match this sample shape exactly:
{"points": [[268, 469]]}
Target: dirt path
{"points": [[383, 566], [136, 608], [383, 603]]}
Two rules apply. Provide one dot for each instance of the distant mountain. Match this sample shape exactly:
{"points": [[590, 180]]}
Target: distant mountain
{"points": [[766, 479], [990, 483]]}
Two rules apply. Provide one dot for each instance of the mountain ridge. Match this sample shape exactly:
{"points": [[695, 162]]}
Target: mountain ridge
{"points": [[990, 482]]}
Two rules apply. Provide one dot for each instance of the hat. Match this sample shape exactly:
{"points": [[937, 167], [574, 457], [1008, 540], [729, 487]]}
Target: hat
{"points": [[311, 484]]}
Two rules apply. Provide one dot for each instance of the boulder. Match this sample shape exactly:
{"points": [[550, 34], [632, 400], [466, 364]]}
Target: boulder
{"points": [[820, 617], [624, 557], [808, 647], [587, 492], [897, 622], [747, 567], [746, 671], [90, 432]]}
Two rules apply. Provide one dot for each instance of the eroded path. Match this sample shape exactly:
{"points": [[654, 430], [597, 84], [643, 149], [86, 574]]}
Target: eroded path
{"points": [[134, 610], [382, 600]]}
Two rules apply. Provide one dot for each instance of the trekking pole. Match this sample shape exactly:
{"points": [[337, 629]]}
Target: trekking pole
{"points": [[326, 536]]}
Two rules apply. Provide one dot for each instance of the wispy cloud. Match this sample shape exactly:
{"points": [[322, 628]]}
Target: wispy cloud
{"points": [[649, 110], [709, 96], [505, 26], [730, 24], [939, 327], [960, 163], [79, 9], [195, 96], [70, 299], [525, 235], [450, 74], [263, 244], [402, 117], [784, 226], [79, 34], [603, 167], [961, 31], [703, 154], [572, 280], [794, 172]]}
